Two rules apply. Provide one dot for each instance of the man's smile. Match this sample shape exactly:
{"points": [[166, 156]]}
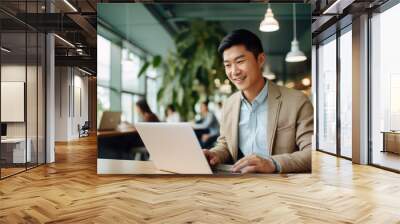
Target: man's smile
{"points": [[239, 80]]}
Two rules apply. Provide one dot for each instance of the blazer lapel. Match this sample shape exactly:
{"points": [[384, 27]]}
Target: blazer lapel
{"points": [[235, 127], [273, 108]]}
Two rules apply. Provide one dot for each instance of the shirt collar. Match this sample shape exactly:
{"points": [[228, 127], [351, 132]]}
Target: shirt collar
{"points": [[260, 97]]}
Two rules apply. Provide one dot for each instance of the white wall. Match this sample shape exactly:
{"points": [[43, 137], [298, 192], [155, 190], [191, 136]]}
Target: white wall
{"points": [[71, 96], [61, 103]]}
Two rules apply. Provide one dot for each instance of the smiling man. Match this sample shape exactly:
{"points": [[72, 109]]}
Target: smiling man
{"points": [[265, 128]]}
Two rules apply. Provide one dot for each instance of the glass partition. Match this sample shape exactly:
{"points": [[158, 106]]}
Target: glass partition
{"points": [[15, 151], [327, 96], [41, 111], [385, 89], [22, 91], [31, 98], [345, 93]]}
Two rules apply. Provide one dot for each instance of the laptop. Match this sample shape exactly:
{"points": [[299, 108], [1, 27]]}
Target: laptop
{"points": [[109, 121], [173, 147]]}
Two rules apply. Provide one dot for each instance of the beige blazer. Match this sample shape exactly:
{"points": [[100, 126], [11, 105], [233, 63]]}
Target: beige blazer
{"points": [[289, 129]]}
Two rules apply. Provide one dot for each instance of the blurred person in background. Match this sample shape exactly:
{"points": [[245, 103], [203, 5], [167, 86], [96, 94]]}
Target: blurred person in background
{"points": [[171, 115], [144, 111], [208, 127]]}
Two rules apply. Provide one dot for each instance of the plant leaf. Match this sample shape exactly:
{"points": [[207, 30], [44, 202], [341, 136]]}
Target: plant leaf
{"points": [[156, 61], [143, 69]]}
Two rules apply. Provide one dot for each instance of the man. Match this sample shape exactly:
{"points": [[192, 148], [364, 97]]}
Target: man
{"points": [[265, 128], [210, 123]]}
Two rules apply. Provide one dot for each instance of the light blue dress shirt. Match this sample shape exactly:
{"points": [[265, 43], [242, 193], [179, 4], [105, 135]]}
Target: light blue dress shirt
{"points": [[253, 125]]}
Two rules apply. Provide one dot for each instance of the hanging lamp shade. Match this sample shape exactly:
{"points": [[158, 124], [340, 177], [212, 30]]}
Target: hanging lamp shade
{"points": [[295, 54], [269, 23]]}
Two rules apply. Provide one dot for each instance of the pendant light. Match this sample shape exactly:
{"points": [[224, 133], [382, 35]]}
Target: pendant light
{"points": [[269, 23], [295, 54]]}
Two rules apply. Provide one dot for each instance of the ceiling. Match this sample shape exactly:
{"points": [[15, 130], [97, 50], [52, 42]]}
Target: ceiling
{"points": [[77, 26], [135, 23], [153, 26]]}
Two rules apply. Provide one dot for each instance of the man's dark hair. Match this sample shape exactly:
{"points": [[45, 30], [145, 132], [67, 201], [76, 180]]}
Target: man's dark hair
{"points": [[241, 37]]}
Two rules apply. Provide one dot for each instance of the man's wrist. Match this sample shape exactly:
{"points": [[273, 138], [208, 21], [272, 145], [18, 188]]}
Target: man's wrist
{"points": [[277, 166]]}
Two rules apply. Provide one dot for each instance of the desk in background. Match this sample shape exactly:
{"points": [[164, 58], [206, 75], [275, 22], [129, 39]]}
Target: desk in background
{"points": [[391, 141], [13, 150], [122, 144]]}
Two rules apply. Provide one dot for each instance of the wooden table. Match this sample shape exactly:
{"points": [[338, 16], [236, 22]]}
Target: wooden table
{"points": [[118, 132], [118, 166]]}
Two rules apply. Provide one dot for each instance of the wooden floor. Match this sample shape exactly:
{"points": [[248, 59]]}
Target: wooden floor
{"points": [[70, 191]]}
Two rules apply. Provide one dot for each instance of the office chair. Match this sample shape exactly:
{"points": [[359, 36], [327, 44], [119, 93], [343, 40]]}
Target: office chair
{"points": [[84, 130]]}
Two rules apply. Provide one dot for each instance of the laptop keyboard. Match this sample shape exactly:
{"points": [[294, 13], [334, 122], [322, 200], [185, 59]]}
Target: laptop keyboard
{"points": [[223, 169]]}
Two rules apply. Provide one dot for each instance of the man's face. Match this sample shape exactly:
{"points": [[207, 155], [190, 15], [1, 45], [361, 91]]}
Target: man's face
{"points": [[242, 68]]}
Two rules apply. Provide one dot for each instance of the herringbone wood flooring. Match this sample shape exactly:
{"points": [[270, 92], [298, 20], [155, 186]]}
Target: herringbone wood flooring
{"points": [[70, 191]]}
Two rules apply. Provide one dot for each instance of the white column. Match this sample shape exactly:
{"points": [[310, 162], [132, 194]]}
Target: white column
{"points": [[50, 99], [360, 90]]}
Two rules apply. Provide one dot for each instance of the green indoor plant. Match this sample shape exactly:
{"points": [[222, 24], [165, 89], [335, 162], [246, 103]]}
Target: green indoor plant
{"points": [[188, 73]]}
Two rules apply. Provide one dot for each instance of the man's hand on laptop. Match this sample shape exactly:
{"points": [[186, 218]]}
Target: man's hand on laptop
{"points": [[212, 157], [254, 164]]}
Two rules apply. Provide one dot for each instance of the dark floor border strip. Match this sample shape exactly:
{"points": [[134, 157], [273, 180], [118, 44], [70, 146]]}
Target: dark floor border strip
{"points": [[333, 154], [29, 168], [385, 168], [370, 164]]}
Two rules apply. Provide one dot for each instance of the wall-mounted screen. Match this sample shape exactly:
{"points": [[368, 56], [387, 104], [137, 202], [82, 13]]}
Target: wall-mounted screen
{"points": [[12, 101]]}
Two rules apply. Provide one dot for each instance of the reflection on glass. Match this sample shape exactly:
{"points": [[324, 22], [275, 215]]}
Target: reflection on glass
{"points": [[385, 86], [327, 97], [345, 94]]}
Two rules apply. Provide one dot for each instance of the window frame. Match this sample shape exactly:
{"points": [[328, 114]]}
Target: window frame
{"points": [[333, 37]]}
